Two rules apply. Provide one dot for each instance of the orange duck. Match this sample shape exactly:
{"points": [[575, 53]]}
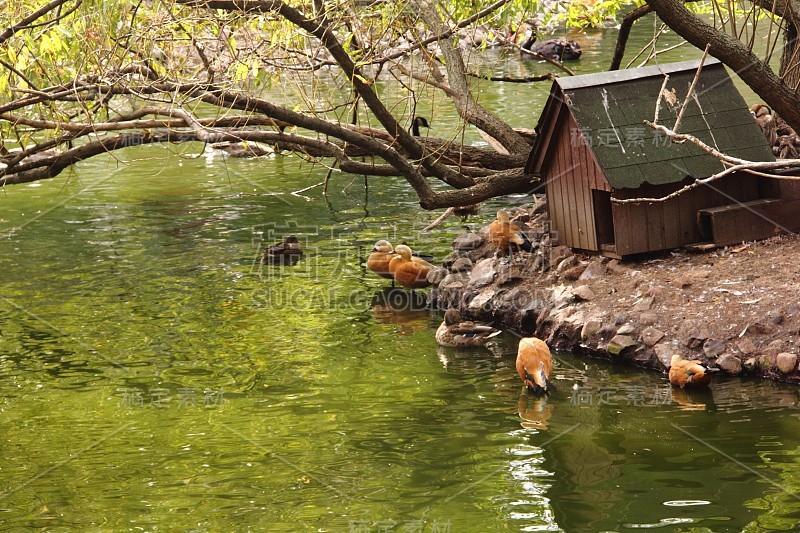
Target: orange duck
{"points": [[409, 271], [688, 374], [534, 365], [506, 236], [378, 260]]}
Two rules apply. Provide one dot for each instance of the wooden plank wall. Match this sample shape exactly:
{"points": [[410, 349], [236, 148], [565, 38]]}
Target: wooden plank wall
{"points": [[570, 173], [671, 224]]}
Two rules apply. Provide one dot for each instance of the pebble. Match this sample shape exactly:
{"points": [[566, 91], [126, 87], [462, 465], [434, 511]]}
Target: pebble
{"points": [[713, 347], [594, 270], [574, 273], [759, 328], [616, 267], [730, 364], [774, 348], [583, 293], [626, 329], [467, 241], [765, 362], [746, 346], [787, 362], [682, 282], [482, 273], [436, 275], [693, 333], [776, 317], [591, 328], [655, 292], [462, 264], [648, 319], [643, 304], [651, 336], [483, 298], [664, 353], [619, 344], [566, 264], [558, 254]]}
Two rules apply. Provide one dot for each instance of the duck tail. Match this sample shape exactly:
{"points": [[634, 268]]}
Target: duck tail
{"points": [[522, 242], [526, 245]]}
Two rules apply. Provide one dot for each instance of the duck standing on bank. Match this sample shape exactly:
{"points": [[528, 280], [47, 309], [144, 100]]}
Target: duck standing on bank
{"points": [[534, 365], [506, 236], [459, 333], [287, 252], [688, 374], [409, 271]]}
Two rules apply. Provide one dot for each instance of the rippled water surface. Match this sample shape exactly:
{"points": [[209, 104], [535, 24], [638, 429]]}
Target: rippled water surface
{"points": [[154, 377]]}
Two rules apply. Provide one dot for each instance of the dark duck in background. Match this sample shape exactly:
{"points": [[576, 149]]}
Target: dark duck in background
{"points": [[557, 49], [287, 252], [417, 123]]}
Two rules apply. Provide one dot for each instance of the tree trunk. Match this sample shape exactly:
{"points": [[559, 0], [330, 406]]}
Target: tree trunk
{"points": [[790, 59]]}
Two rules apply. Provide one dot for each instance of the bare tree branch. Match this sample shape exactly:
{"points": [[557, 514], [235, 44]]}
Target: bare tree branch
{"points": [[27, 22]]}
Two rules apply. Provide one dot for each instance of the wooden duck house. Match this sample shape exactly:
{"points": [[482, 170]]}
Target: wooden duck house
{"points": [[592, 147]]}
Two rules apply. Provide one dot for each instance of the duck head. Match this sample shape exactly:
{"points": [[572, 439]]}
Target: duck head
{"points": [[383, 246], [502, 217], [452, 317], [417, 123], [760, 110], [403, 251]]}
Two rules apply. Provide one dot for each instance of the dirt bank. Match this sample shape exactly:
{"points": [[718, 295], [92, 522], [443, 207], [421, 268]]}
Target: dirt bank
{"points": [[736, 308]]}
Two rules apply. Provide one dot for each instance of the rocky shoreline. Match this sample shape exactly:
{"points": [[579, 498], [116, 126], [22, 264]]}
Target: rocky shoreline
{"points": [[737, 309]]}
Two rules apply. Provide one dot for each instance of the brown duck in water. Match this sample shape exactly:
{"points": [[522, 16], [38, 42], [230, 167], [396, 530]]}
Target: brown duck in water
{"points": [[534, 365], [379, 258], [409, 271], [688, 374], [459, 333]]}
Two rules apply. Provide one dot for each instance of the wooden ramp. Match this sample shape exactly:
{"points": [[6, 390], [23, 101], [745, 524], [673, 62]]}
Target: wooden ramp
{"points": [[749, 221]]}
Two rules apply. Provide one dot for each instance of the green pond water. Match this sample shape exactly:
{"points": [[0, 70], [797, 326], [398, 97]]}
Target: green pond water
{"points": [[154, 377]]}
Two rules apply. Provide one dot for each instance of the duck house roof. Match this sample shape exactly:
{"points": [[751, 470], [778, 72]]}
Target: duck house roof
{"points": [[609, 109]]}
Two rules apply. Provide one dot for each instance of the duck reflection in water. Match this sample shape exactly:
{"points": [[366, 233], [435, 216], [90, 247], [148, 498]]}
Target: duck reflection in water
{"points": [[534, 411], [694, 400], [398, 306]]}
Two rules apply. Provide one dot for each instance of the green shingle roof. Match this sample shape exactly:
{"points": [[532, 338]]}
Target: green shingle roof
{"points": [[610, 108]]}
